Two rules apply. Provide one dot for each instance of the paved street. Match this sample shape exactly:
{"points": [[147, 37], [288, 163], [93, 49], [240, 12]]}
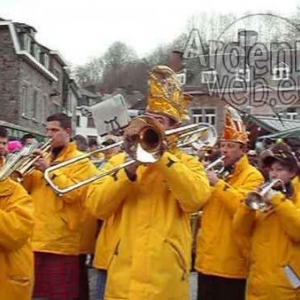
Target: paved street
{"points": [[193, 283]]}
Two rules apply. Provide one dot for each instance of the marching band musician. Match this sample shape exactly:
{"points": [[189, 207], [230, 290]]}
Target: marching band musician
{"points": [[274, 234], [108, 233], [151, 206], [88, 233], [56, 234], [221, 266], [16, 226]]}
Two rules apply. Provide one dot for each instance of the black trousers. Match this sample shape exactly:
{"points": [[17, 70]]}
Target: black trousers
{"points": [[83, 278], [219, 288]]}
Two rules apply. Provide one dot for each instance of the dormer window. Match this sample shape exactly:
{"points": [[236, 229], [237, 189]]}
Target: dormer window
{"points": [[281, 72], [37, 51], [46, 60], [209, 76], [26, 42]]}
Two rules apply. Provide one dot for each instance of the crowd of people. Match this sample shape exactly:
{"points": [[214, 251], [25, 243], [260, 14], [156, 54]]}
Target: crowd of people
{"points": [[135, 222]]}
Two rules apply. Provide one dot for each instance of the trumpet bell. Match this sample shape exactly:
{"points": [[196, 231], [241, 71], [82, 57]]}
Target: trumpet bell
{"points": [[255, 201]]}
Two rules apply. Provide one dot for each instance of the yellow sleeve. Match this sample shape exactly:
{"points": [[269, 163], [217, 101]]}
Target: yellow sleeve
{"points": [[187, 181], [79, 171], [105, 196], [28, 180], [16, 220], [231, 196], [243, 225], [289, 215]]}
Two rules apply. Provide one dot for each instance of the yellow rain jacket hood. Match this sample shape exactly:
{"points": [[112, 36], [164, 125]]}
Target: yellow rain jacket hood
{"points": [[16, 258], [151, 255], [218, 252]]}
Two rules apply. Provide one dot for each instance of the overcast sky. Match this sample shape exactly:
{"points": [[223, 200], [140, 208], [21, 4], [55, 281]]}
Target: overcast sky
{"points": [[82, 29]]}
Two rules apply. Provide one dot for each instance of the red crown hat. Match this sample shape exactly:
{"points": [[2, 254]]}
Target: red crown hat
{"points": [[234, 129]]}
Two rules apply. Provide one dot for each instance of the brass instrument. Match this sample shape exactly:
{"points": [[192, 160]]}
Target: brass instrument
{"points": [[27, 165], [16, 160], [256, 200], [145, 146], [216, 165]]}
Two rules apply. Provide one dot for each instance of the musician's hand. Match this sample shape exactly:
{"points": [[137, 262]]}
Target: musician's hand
{"points": [[132, 131], [131, 169], [270, 195], [41, 164], [212, 177]]}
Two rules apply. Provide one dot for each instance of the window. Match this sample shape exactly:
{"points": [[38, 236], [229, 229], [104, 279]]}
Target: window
{"points": [[57, 85], [24, 99], [26, 42], [28, 98], [281, 72], [210, 116], [46, 60], [37, 51], [243, 75], [291, 113], [197, 115], [182, 78], [206, 115], [34, 114], [44, 113], [90, 122], [78, 121], [209, 77]]}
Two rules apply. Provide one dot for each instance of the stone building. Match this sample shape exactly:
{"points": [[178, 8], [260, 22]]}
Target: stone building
{"points": [[34, 80]]}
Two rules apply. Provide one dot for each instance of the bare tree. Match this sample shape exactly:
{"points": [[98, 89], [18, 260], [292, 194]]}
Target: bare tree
{"points": [[117, 55], [90, 73]]}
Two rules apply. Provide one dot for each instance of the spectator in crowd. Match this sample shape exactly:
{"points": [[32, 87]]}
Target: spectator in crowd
{"points": [[14, 146], [81, 142], [28, 139]]}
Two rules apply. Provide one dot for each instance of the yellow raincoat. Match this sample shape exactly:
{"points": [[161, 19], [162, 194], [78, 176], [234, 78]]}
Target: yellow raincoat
{"points": [[275, 243], [16, 226], [109, 234], [58, 218], [218, 252], [151, 257]]}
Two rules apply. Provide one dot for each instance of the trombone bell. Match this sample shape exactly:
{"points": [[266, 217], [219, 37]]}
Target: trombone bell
{"points": [[145, 145]]}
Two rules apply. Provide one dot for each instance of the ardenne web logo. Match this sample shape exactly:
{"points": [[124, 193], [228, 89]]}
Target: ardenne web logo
{"points": [[251, 67]]}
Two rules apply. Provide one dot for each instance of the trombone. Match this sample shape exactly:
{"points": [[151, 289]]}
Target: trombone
{"points": [[145, 146]]}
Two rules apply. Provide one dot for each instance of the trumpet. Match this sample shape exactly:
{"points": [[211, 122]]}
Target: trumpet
{"points": [[256, 200], [218, 167], [27, 165], [145, 146]]}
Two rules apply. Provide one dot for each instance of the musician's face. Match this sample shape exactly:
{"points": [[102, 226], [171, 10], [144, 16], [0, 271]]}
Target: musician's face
{"points": [[232, 151], [3, 146], [279, 171], [60, 136], [29, 141], [163, 120]]}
